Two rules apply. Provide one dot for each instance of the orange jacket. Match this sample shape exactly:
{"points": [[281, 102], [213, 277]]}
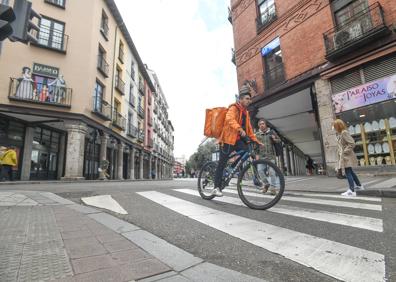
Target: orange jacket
{"points": [[232, 126]]}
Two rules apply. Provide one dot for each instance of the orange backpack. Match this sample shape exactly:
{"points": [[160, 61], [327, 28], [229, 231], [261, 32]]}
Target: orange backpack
{"points": [[214, 121]]}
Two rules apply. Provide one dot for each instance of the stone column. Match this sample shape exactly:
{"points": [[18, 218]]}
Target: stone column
{"points": [[75, 150], [156, 168], [326, 115], [61, 155], [27, 154], [103, 146], [120, 161], [132, 163], [141, 164], [150, 166]]}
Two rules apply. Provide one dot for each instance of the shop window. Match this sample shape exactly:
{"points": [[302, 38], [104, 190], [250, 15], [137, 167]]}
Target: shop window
{"points": [[273, 64], [51, 34]]}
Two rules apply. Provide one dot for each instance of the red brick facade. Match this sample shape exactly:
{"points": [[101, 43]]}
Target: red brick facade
{"points": [[300, 26]]}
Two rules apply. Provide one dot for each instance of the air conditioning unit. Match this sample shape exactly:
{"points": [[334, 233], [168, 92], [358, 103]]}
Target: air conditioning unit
{"points": [[347, 34]]}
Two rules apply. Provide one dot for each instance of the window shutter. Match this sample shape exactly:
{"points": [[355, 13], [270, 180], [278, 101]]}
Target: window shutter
{"points": [[380, 69], [346, 81]]}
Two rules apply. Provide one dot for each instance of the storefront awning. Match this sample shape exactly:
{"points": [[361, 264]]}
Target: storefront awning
{"points": [[294, 118]]}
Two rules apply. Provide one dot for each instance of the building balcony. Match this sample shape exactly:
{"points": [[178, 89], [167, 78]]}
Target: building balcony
{"points": [[118, 120], [141, 111], [274, 76], [229, 15], [103, 66], [150, 143], [101, 108], [39, 93], [358, 31], [52, 39], [141, 87], [132, 131], [141, 136], [266, 18], [120, 85]]}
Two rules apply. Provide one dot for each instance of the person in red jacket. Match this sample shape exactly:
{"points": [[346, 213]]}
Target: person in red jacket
{"points": [[236, 127]]}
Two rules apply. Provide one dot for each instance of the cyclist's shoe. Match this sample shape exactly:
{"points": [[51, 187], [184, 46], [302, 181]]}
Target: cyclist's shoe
{"points": [[216, 192]]}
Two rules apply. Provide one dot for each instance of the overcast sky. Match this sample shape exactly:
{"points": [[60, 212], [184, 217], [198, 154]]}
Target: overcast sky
{"points": [[188, 44]]}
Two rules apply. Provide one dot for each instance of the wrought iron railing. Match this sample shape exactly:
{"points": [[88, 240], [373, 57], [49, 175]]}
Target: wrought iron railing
{"points": [[120, 85], [101, 107], [132, 131], [362, 25], [40, 93], [274, 76], [141, 111], [119, 120], [141, 135], [103, 66], [52, 38], [60, 3]]}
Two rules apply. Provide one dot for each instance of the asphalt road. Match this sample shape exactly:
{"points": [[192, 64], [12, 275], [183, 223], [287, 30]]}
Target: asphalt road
{"points": [[295, 247]]}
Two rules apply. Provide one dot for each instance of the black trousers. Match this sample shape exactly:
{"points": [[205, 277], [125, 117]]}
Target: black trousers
{"points": [[7, 170], [225, 152]]}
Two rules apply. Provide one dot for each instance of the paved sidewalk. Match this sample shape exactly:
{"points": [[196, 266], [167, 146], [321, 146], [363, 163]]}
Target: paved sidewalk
{"points": [[44, 237]]}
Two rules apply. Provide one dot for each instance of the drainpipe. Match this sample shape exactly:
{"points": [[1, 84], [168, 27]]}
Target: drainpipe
{"points": [[112, 80]]}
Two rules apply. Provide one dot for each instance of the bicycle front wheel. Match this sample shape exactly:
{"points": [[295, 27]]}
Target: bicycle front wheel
{"points": [[206, 180], [261, 184]]}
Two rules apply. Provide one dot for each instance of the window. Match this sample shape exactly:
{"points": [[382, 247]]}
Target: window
{"points": [[345, 10], [121, 52], [98, 97], [104, 25], [273, 63], [130, 120], [103, 66], [131, 96], [133, 70], [51, 34], [60, 3], [267, 11]]}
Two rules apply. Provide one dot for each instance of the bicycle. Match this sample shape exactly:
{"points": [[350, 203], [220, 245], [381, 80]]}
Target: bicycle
{"points": [[255, 179]]}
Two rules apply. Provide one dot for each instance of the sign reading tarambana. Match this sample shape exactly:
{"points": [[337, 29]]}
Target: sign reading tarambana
{"points": [[366, 94]]}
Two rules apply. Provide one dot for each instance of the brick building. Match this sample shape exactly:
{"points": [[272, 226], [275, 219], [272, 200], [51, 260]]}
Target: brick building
{"points": [[313, 60]]}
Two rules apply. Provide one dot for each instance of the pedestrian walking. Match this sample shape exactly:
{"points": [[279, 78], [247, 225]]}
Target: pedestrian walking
{"points": [[269, 139], [8, 160], [346, 157], [309, 166]]}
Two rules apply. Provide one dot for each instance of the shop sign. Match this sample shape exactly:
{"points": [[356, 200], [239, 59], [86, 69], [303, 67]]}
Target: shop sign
{"points": [[45, 70], [366, 94]]}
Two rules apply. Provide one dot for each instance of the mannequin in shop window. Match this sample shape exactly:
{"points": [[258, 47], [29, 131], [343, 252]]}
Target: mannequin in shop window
{"points": [[57, 90], [25, 86], [392, 87]]}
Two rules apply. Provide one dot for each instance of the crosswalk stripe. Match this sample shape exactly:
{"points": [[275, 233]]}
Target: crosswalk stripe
{"points": [[315, 201], [323, 195], [335, 259], [297, 180], [369, 223]]}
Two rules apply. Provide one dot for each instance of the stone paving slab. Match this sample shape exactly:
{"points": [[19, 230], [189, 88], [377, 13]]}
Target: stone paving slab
{"points": [[173, 256], [113, 223]]}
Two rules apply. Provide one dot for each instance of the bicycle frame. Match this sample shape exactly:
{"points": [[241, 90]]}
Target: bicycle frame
{"points": [[244, 155]]}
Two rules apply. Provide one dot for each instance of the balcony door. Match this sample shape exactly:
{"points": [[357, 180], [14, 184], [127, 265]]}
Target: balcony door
{"points": [[273, 64]]}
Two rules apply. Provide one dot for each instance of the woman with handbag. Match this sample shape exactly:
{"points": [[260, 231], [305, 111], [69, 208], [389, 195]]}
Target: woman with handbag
{"points": [[347, 158]]}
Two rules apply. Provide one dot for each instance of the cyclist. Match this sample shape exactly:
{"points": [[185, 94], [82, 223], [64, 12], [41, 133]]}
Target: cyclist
{"points": [[235, 130]]}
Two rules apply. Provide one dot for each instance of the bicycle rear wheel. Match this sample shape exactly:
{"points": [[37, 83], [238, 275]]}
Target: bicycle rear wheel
{"points": [[206, 180], [261, 184]]}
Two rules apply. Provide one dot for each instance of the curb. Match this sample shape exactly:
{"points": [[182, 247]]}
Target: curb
{"points": [[79, 181]]}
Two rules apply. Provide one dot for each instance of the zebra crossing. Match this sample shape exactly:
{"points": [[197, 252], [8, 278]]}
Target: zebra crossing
{"points": [[338, 260]]}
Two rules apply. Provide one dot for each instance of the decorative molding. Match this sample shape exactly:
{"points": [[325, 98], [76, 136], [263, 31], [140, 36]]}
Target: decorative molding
{"points": [[285, 24], [240, 7]]}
